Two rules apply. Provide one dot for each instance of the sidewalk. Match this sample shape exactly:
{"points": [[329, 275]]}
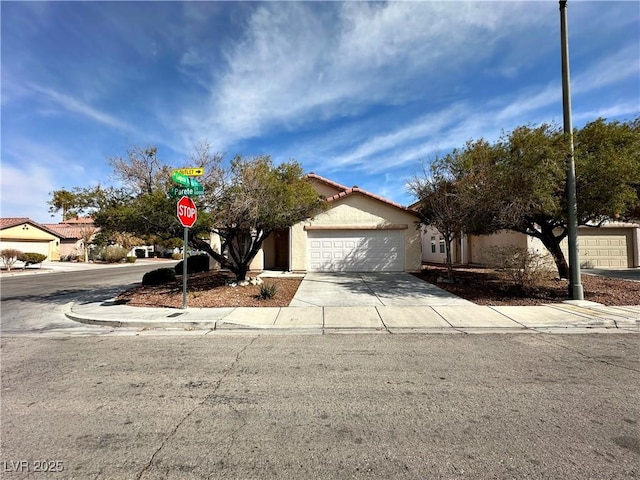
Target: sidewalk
{"points": [[569, 317]]}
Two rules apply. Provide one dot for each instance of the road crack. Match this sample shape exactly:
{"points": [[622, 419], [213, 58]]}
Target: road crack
{"points": [[208, 397]]}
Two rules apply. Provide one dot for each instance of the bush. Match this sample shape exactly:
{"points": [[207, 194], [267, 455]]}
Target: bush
{"points": [[32, 258], [267, 290], [176, 256], [524, 268], [115, 254], [195, 264], [159, 277], [9, 256], [131, 258]]}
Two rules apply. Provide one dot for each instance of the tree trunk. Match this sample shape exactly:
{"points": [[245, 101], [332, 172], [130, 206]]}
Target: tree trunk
{"points": [[447, 247], [552, 244]]}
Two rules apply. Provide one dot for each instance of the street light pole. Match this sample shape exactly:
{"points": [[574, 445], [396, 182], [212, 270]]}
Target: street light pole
{"points": [[575, 287]]}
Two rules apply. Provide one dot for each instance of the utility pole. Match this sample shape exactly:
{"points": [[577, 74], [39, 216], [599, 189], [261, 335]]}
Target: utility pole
{"points": [[575, 286]]}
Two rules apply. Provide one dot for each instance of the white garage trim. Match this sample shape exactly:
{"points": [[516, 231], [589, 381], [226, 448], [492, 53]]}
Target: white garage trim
{"points": [[354, 250]]}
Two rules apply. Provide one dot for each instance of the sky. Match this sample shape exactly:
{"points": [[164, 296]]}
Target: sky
{"points": [[362, 93]]}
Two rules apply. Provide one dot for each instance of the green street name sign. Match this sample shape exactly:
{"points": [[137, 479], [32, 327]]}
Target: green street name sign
{"points": [[176, 192], [185, 181]]}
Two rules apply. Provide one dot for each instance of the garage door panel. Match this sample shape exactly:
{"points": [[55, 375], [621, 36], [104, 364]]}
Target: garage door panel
{"points": [[603, 250], [356, 250]]}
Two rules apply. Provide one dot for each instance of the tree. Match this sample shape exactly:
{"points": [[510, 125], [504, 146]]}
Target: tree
{"points": [[243, 203], [65, 201], [519, 181], [256, 199]]}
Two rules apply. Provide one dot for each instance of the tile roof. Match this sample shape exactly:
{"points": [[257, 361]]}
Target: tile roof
{"points": [[12, 222], [69, 231], [9, 222], [346, 191]]}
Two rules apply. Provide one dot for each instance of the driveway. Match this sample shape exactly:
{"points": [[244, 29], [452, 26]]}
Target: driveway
{"points": [[632, 274], [370, 289]]}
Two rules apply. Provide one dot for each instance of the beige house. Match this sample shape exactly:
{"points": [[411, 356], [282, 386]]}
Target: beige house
{"points": [[27, 236], [359, 232], [613, 245], [75, 234]]}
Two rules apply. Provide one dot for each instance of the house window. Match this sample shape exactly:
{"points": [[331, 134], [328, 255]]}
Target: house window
{"points": [[433, 244], [442, 250]]}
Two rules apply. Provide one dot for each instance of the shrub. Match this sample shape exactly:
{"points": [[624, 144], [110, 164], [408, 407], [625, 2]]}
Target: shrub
{"points": [[9, 256], [159, 277], [32, 258], [176, 256], [267, 290], [524, 268], [115, 254], [195, 264], [131, 258]]}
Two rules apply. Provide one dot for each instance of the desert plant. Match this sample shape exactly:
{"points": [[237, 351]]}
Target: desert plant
{"points": [[523, 267], [32, 258], [267, 291], [195, 264], [115, 254], [131, 258], [159, 277], [9, 256], [176, 256]]}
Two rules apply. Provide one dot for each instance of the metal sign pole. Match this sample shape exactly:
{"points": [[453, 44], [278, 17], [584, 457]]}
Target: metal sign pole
{"points": [[184, 268]]}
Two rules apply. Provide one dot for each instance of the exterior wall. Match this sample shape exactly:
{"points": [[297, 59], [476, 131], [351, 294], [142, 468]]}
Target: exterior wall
{"points": [[359, 212], [432, 240], [480, 246], [628, 231], [31, 239]]}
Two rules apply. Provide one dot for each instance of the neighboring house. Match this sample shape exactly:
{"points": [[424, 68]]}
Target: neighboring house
{"points": [[27, 236], [612, 245], [359, 232], [74, 234]]}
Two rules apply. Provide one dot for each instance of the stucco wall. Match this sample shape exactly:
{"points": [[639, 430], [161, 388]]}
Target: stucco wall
{"points": [[480, 247]]}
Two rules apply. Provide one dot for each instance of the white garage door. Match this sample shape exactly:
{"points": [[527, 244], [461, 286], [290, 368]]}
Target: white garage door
{"points": [[603, 250], [28, 247], [356, 251]]}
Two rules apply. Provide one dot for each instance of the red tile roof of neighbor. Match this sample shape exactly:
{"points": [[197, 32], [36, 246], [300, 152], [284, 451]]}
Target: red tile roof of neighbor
{"points": [[12, 222], [345, 191], [69, 231]]}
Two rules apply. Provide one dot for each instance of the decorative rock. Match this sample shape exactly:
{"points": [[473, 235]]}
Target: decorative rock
{"points": [[243, 283]]}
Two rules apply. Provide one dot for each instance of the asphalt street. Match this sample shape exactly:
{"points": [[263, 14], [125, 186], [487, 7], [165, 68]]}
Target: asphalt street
{"points": [[34, 303], [321, 406]]}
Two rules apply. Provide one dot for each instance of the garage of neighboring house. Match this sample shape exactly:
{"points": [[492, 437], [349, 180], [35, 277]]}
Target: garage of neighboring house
{"points": [[27, 236], [606, 247]]}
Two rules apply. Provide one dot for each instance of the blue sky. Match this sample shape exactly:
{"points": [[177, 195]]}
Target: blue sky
{"points": [[361, 93]]}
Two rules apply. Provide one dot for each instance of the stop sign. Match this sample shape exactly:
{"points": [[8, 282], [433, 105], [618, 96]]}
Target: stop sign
{"points": [[187, 212]]}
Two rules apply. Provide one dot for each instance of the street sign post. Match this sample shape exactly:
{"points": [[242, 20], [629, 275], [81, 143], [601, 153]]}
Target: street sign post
{"points": [[187, 214], [183, 180], [177, 192], [190, 172]]}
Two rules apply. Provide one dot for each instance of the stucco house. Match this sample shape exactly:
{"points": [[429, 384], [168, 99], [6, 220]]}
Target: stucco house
{"points": [[74, 233], [359, 232], [612, 245], [25, 235]]}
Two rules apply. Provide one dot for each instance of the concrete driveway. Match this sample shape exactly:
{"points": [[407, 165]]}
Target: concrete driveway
{"points": [[370, 289]]}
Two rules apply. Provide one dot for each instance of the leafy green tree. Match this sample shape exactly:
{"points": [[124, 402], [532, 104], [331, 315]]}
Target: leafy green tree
{"points": [[519, 181], [243, 203], [64, 201]]}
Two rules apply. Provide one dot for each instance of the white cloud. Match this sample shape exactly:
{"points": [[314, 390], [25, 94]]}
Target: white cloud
{"points": [[74, 105], [25, 191], [298, 63]]}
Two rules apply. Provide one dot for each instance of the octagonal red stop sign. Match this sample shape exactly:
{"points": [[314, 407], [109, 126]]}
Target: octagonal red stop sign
{"points": [[187, 212]]}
